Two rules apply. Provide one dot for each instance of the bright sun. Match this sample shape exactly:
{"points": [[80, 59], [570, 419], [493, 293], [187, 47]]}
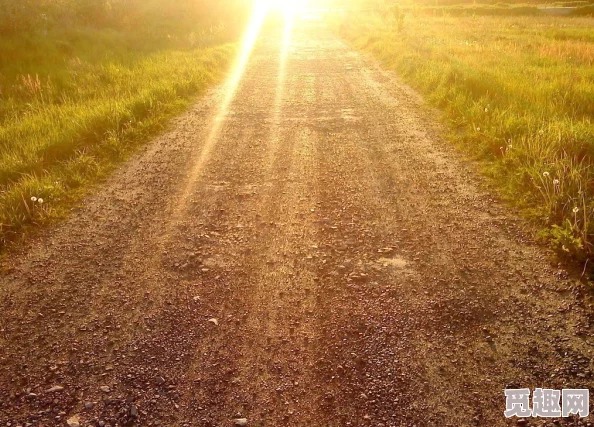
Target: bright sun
{"points": [[287, 7]]}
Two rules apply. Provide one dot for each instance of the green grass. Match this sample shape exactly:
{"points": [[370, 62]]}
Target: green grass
{"points": [[75, 103], [518, 93]]}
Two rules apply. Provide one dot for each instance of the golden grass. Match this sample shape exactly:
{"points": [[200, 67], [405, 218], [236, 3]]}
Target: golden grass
{"points": [[518, 93], [75, 103]]}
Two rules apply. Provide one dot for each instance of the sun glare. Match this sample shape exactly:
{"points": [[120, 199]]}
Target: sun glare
{"points": [[290, 9], [286, 7]]}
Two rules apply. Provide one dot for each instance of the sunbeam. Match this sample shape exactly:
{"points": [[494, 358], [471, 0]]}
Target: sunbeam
{"points": [[289, 20], [261, 8]]}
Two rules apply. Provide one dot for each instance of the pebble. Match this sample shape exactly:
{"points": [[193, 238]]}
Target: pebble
{"points": [[105, 389], [89, 405], [73, 421], [214, 321], [54, 389], [240, 421]]}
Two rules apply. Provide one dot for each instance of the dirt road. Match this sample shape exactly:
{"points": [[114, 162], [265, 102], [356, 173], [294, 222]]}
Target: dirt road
{"points": [[322, 259]]}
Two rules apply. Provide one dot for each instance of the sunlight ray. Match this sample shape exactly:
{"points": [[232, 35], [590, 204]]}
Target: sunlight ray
{"points": [[289, 21], [230, 88]]}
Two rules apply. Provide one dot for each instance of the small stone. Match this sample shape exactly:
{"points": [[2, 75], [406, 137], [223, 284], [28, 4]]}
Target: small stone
{"points": [[54, 389], [522, 422], [240, 421], [133, 411], [73, 421], [360, 278], [105, 389], [214, 321], [160, 380], [89, 405]]}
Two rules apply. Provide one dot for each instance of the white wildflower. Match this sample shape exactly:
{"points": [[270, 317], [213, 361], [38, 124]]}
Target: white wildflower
{"points": [[33, 199], [40, 200], [545, 174], [576, 210]]}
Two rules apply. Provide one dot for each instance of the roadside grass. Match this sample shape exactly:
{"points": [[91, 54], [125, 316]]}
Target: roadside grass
{"points": [[518, 93], [75, 103]]}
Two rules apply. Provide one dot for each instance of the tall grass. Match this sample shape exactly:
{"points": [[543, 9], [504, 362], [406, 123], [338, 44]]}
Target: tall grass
{"points": [[518, 93], [76, 100]]}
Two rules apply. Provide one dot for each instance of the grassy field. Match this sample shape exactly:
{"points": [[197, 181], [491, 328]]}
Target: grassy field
{"points": [[77, 99], [518, 93]]}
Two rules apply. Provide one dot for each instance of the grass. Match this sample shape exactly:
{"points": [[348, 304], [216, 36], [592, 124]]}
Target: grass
{"points": [[75, 103], [518, 93]]}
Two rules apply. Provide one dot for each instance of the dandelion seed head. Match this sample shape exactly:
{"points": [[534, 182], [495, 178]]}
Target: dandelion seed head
{"points": [[33, 199], [545, 174], [556, 181], [576, 210], [40, 200]]}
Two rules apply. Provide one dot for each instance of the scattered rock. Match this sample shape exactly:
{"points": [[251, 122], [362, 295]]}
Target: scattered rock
{"points": [[240, 421], [160, 380], [54, 389], [133, 411], [89, 405], [214, 321], [522, 422], [105, 389]]}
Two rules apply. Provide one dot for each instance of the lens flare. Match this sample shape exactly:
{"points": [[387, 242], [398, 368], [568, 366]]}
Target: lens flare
{"points": [[261, 9], [286, 7]]}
